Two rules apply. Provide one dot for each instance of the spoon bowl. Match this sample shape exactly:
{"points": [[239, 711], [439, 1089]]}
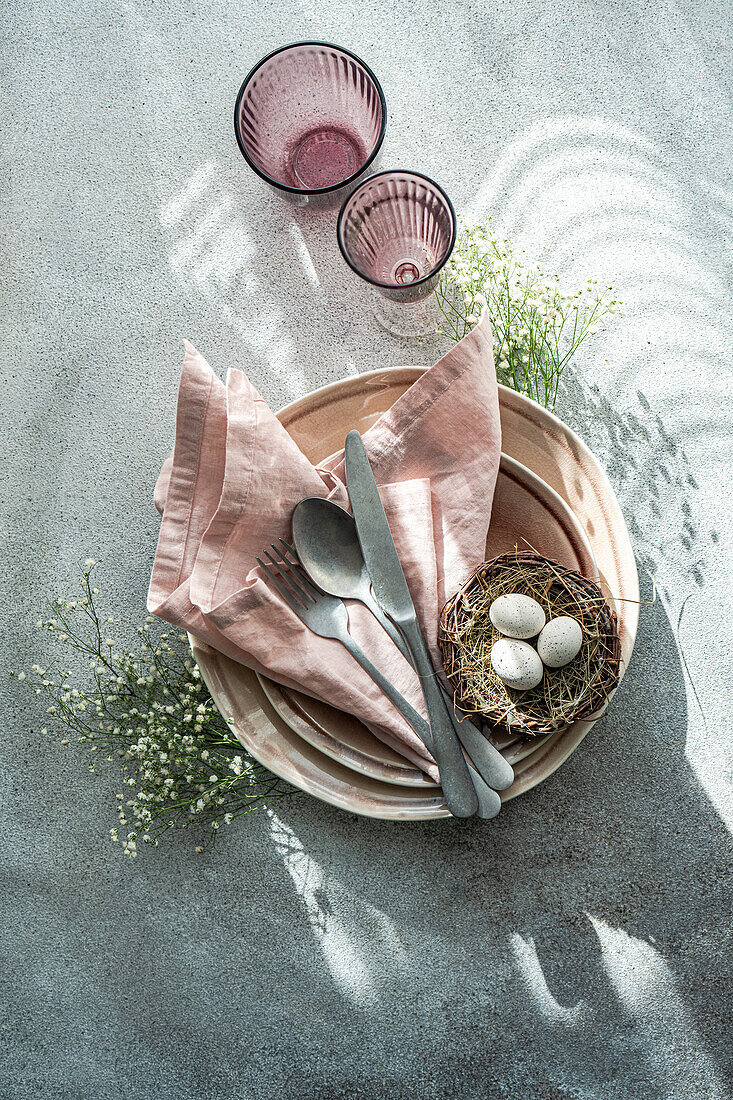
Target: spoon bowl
{"points": [[325, 538]]}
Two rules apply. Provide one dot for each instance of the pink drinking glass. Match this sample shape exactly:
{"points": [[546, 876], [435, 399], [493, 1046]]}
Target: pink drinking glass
{"points": [[310, 118], [396, 231]]}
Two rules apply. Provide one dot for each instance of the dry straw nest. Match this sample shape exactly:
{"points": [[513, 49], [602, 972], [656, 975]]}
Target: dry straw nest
{"points": [[564, 695]]}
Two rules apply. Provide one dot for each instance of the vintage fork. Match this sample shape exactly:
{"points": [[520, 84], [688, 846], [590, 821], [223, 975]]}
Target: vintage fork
{"points": [[328, 617]]}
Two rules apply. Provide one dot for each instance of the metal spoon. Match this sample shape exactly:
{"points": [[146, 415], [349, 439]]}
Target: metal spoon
{"points": [[328, 547], [327, 543]]}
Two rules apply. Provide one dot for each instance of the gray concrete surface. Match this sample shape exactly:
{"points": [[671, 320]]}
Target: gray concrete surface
{"points": [[580, 947]]}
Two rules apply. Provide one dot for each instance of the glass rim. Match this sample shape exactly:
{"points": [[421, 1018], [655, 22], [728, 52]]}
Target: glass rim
{"points": [[286, 186], [424, 278]]}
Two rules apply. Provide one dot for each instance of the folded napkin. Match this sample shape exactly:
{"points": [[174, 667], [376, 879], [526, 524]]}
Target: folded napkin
{"points": [[229, 490]]}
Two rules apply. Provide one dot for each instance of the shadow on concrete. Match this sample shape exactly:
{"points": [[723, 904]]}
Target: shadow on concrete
{"points": [[546, 945]]}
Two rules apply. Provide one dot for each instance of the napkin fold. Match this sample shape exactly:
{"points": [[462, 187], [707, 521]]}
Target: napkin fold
{"points": [[229, 489]]}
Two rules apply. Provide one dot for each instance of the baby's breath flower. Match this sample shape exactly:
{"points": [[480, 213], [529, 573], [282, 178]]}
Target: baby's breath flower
{"points": [[174, 756], [536, 328]]}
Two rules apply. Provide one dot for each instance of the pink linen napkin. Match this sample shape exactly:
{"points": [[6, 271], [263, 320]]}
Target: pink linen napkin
{"points": [[230, 488]]}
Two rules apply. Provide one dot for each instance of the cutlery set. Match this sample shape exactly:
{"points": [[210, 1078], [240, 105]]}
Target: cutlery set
{"points": [[338, 556]]}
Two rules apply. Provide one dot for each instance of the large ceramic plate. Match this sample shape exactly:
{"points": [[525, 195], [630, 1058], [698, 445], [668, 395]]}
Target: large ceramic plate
{"points": [[537, 439], [526, 511]]}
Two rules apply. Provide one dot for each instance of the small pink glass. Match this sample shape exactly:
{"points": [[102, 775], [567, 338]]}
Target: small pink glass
{"points": [[396, 231], [310, 119]]}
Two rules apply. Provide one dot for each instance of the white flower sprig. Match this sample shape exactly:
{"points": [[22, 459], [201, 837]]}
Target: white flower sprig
{"points": [[149, 710], [537, 328]]}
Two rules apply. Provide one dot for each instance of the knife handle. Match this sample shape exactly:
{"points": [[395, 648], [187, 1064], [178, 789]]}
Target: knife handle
{"points": [[489, 803], [455, 780], [487, 760]]}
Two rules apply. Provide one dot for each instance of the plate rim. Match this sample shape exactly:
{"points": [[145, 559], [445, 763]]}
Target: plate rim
{"points": [[525, 406], [290, 716], [423, 806]]}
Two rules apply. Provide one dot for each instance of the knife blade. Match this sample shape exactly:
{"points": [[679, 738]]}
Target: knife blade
{"points": [[375, 537], [393, 596]]}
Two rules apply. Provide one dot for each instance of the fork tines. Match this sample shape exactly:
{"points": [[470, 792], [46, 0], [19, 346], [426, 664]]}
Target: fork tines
{"points": [[296, 584]]}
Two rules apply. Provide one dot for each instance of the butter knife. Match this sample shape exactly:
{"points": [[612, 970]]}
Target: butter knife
{"points": [[393, 596]]}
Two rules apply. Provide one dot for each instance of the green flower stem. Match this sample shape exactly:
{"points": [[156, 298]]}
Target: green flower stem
{"points": [[149, 710], [537, 329]]}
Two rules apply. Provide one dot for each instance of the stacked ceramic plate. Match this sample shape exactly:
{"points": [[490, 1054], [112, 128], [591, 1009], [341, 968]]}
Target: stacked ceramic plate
{"points": [[552, 496]]}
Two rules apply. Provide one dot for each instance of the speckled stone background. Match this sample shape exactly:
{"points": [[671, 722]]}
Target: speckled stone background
{"points": [[579, 946]]}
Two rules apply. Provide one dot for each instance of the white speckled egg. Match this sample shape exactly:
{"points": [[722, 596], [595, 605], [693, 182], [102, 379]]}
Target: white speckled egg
{"points": [[517, 616], [560, 641], [516, 663]]}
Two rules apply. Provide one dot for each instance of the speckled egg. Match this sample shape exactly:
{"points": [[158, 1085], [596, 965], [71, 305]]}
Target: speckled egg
{"points": [[516, 663], [517, 616], [560, 641]]}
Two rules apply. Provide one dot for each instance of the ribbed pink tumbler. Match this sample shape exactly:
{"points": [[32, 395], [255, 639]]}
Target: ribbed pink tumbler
{"points": [[310, 118], [396, 231]]}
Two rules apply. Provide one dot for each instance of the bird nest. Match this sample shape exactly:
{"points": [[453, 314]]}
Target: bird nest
{"points": [[564, 695]]}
